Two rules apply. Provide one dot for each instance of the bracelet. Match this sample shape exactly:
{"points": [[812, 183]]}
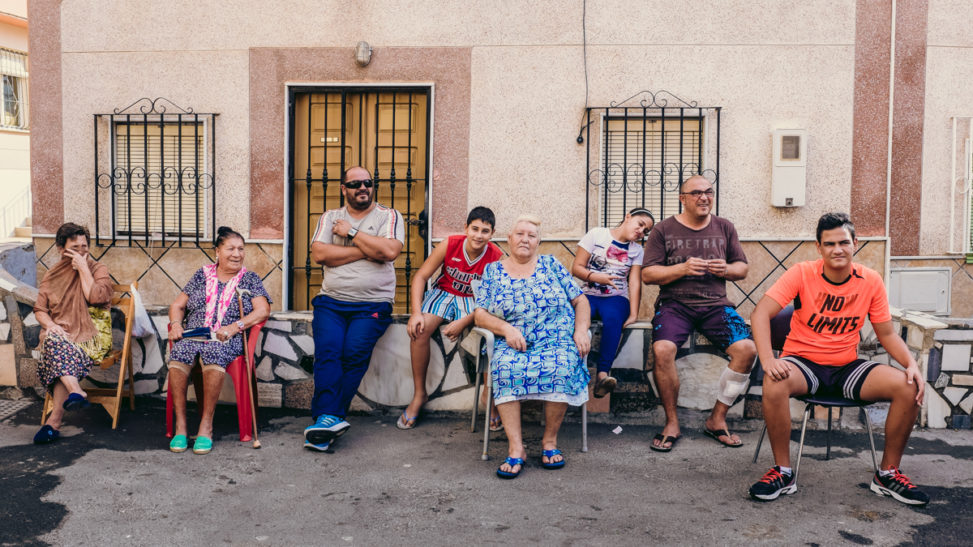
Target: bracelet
{"points": [[175, 323], [590, 273]]}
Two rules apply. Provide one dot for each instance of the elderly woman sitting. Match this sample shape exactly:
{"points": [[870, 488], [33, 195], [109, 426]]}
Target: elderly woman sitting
{"points": [[72, 308], [541, 320], [210, 300]]}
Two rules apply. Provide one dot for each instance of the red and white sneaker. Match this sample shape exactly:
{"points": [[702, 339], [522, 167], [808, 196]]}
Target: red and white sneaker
{"points": [[773, 484], [899, 487]]}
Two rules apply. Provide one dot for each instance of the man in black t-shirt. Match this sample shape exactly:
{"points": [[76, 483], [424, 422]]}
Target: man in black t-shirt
{"points": [[690, 256]]}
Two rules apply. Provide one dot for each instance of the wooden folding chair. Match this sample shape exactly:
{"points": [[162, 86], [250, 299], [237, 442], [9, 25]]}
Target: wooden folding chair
{"points": [[111, 398]]}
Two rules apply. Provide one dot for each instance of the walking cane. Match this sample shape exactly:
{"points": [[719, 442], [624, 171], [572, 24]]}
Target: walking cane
{"points": [[249, 365]]}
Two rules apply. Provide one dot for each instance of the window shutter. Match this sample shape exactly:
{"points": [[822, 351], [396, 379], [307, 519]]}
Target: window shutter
{"points": [[155, 154], [627, 156]]}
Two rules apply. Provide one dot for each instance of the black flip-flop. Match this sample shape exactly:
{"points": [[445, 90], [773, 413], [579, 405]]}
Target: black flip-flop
{"points": [[604, 386], [715, 434], [663, 440]]}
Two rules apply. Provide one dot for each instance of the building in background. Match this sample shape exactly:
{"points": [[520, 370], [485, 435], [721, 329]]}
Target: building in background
{"points": [[155, 128], [14, 123]]}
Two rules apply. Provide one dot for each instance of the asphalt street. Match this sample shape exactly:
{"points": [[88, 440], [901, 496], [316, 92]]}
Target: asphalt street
{"points": [[428, 486]]}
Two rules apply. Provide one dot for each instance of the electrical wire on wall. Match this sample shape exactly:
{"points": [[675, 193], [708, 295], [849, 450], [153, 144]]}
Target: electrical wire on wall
{"points": [[584, 50]]}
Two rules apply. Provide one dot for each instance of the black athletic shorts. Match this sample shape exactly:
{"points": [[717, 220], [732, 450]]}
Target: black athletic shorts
{"points": [[841, 381]]}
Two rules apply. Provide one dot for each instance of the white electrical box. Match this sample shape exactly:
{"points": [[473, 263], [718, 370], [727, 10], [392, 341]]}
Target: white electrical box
{"points": [[921, 289], [788, 183]]}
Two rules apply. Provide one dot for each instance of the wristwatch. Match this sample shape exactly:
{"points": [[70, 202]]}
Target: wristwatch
{"points": [[240, 325], [352, 232]]}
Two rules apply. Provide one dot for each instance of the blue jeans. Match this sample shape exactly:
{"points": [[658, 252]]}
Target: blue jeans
{"points": [[613, 311], [345, 334]]}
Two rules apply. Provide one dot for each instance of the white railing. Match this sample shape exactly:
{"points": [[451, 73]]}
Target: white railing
{"points": [[14, 213]]}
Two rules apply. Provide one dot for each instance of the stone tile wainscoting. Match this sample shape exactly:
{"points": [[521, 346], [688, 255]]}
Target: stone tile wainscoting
{"points": [[950, 376]]}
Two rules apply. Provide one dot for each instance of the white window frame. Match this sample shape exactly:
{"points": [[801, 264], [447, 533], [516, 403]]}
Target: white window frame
{"points": [[13, 72]]}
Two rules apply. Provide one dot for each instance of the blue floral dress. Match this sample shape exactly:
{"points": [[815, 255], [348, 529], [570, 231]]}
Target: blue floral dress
{"points": [[539, 307], [214, 353]]}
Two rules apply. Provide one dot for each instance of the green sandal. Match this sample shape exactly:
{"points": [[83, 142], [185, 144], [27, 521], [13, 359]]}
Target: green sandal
{"points": [[179, 443], [202, 445]]}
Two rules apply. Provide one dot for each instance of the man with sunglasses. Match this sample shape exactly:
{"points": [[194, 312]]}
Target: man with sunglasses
{"points": [[356, 246], [690, 256]]}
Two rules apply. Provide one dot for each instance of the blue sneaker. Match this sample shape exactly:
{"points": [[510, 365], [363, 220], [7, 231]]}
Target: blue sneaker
{"points": [[323, 447], [325, 428]]}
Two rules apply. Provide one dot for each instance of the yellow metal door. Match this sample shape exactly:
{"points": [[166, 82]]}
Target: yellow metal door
{"points": [[383, 130]]}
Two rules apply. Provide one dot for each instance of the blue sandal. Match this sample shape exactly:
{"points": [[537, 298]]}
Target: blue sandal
{"points": [[511, 462], [405, 422], [552, 465]]}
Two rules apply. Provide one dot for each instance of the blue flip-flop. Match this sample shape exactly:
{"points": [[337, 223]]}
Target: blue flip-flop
{"points": [[511, 462], [75, 401], [552, 465], [405, 422], [46, 435]]}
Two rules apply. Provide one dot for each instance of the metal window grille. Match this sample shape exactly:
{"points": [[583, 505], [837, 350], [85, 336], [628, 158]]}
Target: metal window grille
{"points": [[643, 148], [161, 181], [13, 87]]}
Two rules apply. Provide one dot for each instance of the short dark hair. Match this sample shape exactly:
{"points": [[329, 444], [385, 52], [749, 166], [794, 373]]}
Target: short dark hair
{"points": [[484, 214], [830, 221], [225, 232], [70, 230]]}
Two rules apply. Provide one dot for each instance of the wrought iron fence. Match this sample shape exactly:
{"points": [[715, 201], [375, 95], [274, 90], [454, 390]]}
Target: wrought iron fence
{"points": [[161, 177], [642, 150]]}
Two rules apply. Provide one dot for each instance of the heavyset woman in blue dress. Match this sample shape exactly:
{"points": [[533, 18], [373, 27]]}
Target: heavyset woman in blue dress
{"points": [[541, 321]]}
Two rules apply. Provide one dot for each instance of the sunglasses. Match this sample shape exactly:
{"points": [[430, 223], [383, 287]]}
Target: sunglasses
{"points": [[696, 194], [356, 184]]}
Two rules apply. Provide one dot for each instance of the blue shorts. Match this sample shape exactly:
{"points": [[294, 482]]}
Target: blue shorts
{"points": [[841, 381], [447, 305], [721, 325]]}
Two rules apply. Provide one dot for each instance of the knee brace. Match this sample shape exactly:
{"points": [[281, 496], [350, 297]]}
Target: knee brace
{"points": [[732, 385]]}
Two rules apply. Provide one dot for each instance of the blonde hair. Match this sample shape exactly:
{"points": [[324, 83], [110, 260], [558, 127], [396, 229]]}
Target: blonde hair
{"points": [[528, 218]]}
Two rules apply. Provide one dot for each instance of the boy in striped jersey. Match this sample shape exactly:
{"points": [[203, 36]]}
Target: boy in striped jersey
{"points": [[462, 258]]}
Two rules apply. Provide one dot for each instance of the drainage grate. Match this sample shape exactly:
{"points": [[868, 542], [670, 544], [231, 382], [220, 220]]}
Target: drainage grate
{"points": [[9, 408]]}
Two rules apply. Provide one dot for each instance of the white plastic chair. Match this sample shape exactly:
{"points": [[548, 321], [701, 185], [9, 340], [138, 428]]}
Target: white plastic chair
{"points": [[482, 366]]}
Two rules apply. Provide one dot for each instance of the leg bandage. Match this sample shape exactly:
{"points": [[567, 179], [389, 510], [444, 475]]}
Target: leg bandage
{"points": [[182, 367], [209, 366], [732, 385]]}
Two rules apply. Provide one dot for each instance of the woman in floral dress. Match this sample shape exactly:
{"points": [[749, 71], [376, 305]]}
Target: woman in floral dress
{"points": [[541, 320], [210, 300], [73, 309]]}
